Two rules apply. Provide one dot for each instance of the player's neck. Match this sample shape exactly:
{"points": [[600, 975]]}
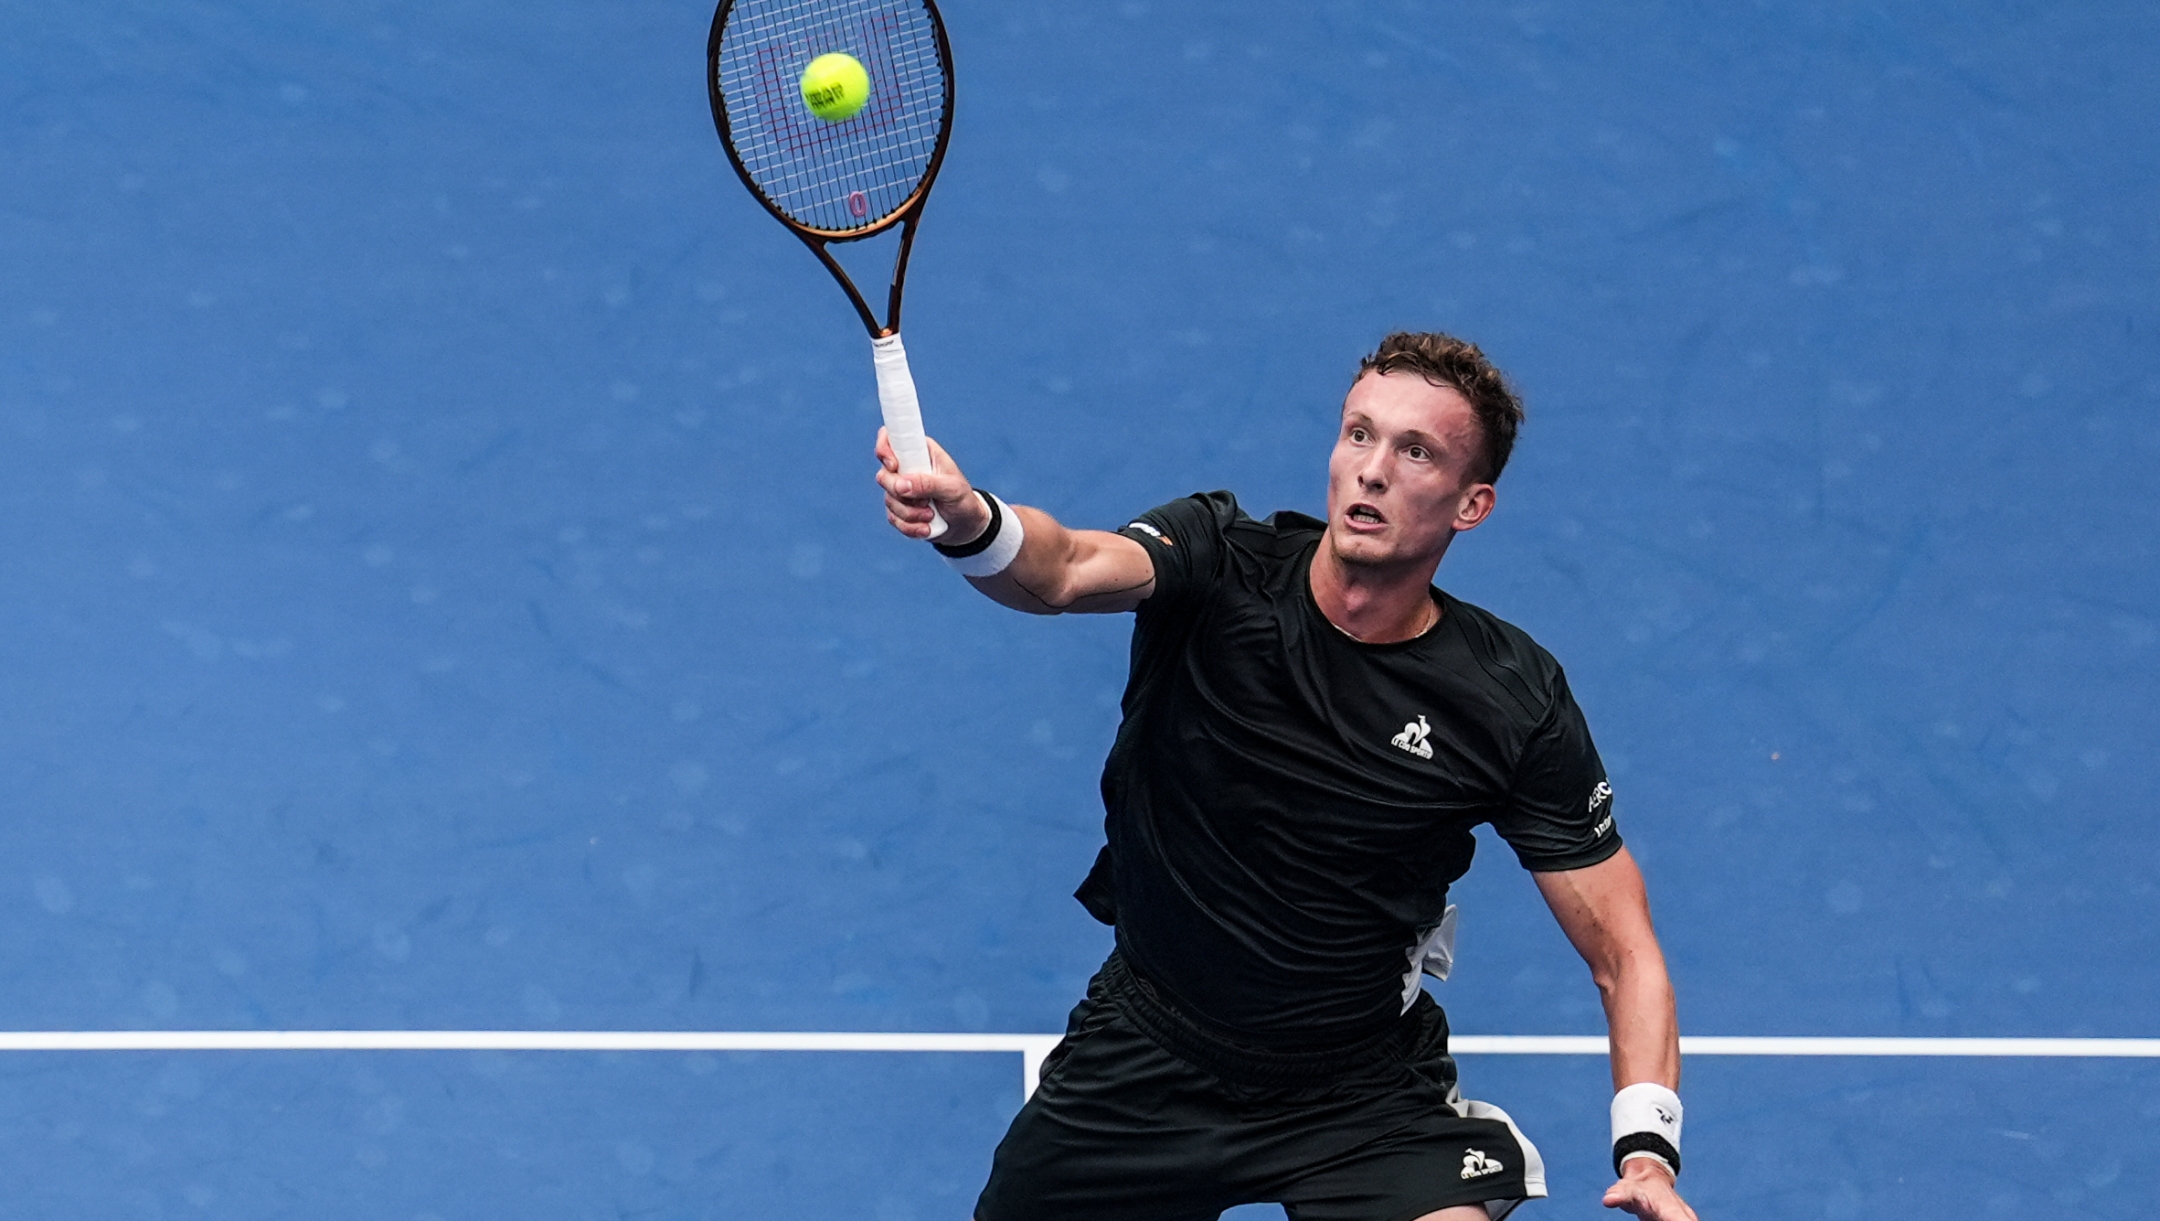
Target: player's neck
{"points": [[1375, 603]]}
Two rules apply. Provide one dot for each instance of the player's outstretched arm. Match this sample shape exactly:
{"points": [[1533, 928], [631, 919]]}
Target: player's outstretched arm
{"points": [[1605, 912], [1057, 571]]}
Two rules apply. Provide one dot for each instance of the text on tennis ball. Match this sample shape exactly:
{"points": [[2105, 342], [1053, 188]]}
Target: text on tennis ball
{"points": [[835, 86]]}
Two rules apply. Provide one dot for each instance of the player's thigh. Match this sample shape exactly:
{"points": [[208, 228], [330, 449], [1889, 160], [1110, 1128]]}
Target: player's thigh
{"points": [[1119, 1128], [1442, 1167]]}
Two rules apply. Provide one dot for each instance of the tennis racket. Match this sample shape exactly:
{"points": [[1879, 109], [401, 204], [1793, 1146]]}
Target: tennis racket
{"points": [[844, 181]]}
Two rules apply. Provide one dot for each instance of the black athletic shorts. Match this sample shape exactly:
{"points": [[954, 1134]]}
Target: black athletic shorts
{"points": [[1141, 1116]]}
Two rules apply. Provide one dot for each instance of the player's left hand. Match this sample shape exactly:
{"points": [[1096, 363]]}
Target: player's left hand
{"points": [[1646, 1190]]}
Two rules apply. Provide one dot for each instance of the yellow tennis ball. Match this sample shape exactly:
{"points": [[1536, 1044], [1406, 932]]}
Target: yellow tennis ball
{"points": [[835, 87]]}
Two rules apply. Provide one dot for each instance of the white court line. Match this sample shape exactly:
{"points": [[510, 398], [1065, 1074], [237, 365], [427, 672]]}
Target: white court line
{"points": [[1032, 1047], [1727, 1045], [803, 1040], [510, 1040]]}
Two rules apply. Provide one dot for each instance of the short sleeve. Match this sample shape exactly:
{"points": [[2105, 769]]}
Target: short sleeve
{"points": [[1185, 540], [1559, 815]]}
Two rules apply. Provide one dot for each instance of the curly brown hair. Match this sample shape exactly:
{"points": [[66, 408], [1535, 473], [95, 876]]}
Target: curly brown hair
{"points": [[1458, 365]]}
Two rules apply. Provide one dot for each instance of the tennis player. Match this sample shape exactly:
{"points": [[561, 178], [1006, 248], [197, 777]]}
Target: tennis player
{"points": [[1311, 731]]}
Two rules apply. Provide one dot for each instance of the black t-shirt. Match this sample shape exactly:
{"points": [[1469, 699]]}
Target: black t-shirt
{"points": [[1288, 806]]}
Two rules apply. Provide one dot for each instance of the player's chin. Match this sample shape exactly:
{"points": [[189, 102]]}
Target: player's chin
{"points": [[1358, 548]]}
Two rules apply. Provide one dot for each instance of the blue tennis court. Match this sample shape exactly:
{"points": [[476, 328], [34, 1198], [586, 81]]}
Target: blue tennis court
{"points": [[443, 588]]}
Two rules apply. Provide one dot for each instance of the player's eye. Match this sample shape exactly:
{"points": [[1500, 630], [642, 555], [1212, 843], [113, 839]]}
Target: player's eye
{"points": [[1358, 436], [1418, 453]]}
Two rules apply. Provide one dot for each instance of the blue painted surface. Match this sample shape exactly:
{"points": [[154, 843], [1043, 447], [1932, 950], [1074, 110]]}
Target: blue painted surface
{"points": [[443, 588]]}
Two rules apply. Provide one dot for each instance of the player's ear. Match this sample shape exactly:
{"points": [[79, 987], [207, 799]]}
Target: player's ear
{"points": [[1474, 506]]}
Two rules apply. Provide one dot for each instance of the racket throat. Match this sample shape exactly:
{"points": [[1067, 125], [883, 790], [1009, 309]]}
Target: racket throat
{"points": [[890, 323]]}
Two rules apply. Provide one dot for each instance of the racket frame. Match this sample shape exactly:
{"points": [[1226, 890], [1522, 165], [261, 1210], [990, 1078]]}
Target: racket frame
{"points": [[905, 216]]}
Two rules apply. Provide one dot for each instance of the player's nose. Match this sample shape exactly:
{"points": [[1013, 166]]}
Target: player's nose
{"points": [[1372, 472]]}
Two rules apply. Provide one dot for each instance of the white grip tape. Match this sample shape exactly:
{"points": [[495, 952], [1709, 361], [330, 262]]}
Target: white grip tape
{"points": [[902, 411], [1647, 1107]]}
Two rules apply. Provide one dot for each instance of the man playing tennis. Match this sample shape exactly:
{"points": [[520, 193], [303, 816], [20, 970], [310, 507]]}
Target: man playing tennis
{"points": [[1311, 731]]}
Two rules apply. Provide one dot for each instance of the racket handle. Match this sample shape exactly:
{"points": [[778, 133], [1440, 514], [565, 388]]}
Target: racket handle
{"points": [[903, 413]]}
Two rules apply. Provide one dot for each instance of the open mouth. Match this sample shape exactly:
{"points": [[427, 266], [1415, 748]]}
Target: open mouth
{"points": [[1365, 515]]}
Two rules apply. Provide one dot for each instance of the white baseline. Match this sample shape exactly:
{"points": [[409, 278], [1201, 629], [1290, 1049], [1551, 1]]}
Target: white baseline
{"points": [[1032, 1048]]}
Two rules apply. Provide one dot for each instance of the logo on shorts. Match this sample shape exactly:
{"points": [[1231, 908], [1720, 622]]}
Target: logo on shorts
{"points": [[1412, 738], [1475, 1165]]}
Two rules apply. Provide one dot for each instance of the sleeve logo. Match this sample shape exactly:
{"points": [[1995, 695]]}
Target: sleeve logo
{"points": [[1601, 798], [1151, 532]]}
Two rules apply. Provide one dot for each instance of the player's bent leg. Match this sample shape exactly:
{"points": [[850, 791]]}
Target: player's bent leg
{"points": [[1460, 1162], [1118, 1127]]}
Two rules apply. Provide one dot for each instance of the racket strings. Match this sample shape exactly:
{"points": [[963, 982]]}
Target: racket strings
{"points": [[835, 177]]}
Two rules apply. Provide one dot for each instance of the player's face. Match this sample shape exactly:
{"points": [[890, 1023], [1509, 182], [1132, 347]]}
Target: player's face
{"points": [[1400, 483]]}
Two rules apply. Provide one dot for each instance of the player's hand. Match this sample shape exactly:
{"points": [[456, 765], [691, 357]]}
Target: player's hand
{"points": [[908, 498], [1646, 1190]]}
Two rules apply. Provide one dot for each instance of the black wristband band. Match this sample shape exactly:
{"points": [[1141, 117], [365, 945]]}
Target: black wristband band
{"points": [[981, 542], [1645, 1142]]}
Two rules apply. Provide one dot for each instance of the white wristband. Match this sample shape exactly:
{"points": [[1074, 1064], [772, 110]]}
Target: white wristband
{"points": [[992, 553], [1646, 1123]]}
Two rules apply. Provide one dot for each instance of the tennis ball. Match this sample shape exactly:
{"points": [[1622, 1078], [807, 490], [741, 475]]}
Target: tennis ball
{"points": [[835, 87]]}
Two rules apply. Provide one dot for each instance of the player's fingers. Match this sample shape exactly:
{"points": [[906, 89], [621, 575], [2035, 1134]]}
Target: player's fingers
{"points": [[909, 509], [1652, 1203], [942, 467], [925, 486], [915, 488], [911, 528]]}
